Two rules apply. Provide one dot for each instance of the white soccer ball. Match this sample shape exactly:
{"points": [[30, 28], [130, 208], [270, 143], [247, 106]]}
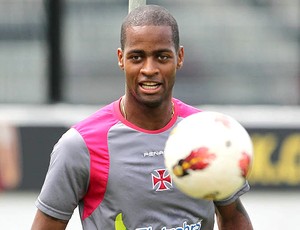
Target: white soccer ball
{"points": [[209, 155]]}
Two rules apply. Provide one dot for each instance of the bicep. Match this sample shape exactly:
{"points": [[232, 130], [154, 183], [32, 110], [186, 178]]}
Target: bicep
{"points": [[45, 222]]}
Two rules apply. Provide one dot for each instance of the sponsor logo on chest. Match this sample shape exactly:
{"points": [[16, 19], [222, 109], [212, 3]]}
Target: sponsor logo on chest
{"points": [[184, 226]]}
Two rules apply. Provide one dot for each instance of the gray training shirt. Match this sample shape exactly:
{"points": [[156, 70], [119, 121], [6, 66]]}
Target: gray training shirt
{"points": [[115, 172]]}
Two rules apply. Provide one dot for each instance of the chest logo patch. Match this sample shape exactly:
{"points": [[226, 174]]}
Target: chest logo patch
{"points": [[161, 180]]}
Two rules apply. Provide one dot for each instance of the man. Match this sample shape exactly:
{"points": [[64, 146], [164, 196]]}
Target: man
{"points": [[107, 162]]}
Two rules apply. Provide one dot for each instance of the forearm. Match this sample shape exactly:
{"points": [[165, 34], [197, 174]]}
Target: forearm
{"points": [[240, 223]]}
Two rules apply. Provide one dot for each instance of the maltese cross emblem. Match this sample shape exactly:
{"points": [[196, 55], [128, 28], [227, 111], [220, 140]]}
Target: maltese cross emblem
{"points": [[161, 180]]}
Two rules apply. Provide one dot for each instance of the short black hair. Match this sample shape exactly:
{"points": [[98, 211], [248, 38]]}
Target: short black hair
{"points": [[150, 15]]}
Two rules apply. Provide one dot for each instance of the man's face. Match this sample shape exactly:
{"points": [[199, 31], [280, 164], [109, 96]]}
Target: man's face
{"points": [[150, 61]]}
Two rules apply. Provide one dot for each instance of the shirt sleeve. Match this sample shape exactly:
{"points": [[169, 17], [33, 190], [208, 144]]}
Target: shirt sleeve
{"points": [[245, 188], [67, 178]]}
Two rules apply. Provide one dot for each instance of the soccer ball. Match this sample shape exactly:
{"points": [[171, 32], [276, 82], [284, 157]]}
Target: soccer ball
{"points": [[208, 155]]}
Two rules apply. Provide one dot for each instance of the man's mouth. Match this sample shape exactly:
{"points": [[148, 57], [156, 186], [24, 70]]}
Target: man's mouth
{"points": [[150, 85]]}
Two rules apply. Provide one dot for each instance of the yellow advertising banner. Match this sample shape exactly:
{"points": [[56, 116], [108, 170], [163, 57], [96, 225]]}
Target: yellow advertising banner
{"points": [[276, 158]]}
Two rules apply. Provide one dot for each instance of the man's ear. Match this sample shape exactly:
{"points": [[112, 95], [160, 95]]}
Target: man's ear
{"points": [[120, 58], [180, 57]]}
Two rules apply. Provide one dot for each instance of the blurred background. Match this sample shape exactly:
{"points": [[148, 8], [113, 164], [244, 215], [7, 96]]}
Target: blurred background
{"points": [[58, 64], [237, 51]]}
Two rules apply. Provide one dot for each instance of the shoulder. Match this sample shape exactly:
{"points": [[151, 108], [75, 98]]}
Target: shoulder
{"points": [[69, 146], [100, 121], [183, 109]]}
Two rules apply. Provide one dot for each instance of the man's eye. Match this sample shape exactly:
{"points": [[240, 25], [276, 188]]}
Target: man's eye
{"points": [[163, 57], [136, 58]]}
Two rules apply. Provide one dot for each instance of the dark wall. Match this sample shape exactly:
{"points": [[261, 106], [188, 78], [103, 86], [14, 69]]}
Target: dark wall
{"points": [[36, 146]]}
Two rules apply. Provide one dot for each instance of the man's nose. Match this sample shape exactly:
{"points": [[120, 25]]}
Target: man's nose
{"points": [[150, 67]]}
